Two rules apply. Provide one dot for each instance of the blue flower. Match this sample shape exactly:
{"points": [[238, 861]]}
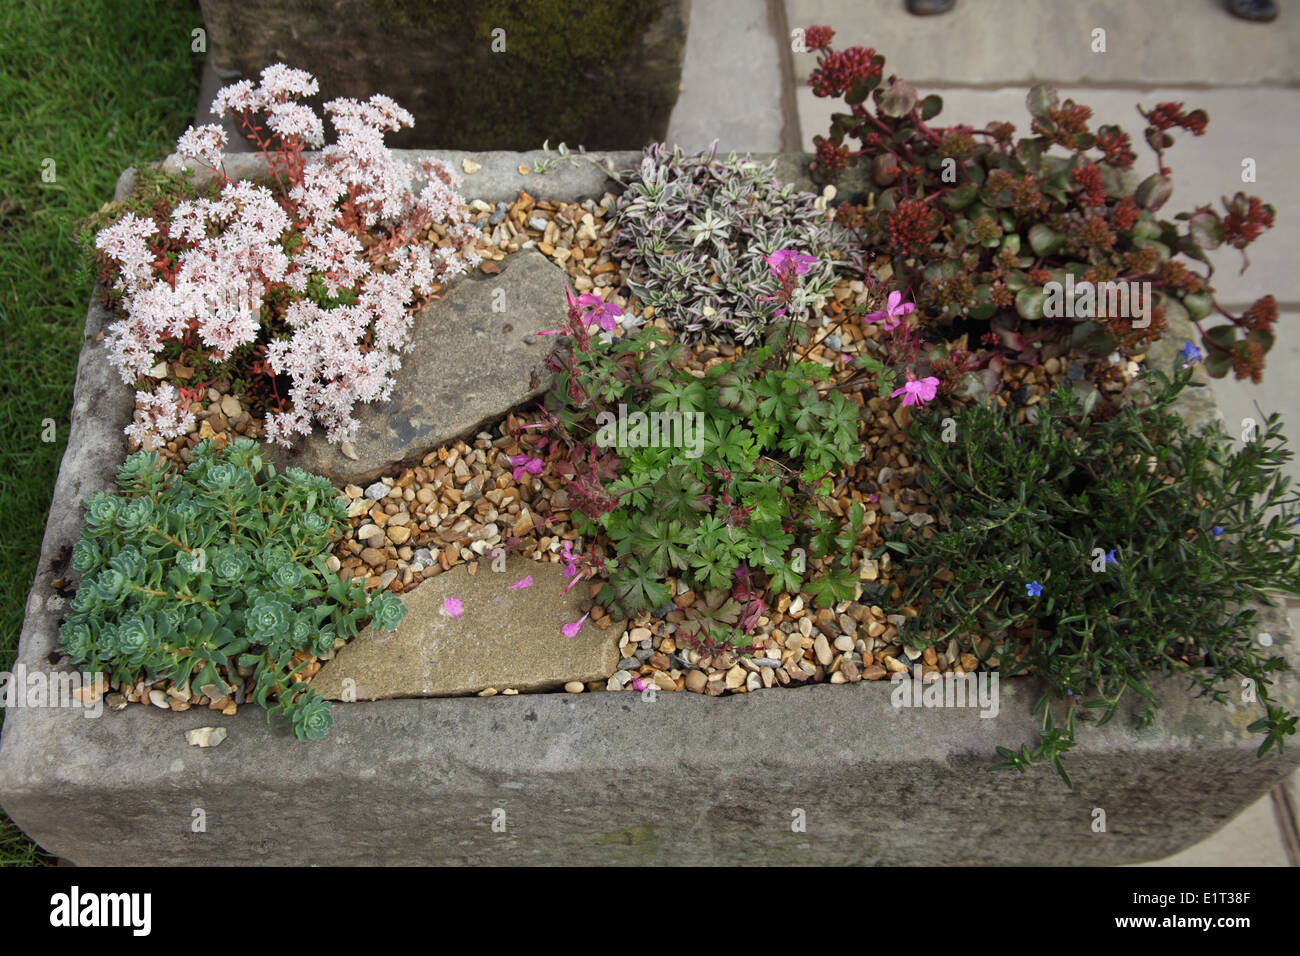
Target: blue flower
{"points": [[1110, 557], [1034, 588], [1216, 531], [1190, 353]]}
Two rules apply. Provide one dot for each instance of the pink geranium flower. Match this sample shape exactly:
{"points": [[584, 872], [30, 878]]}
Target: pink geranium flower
{"points": [[894, 311], [917, 391], [571, 630], [602, 313], [526, 465], [783, 260], [570, 561], [452, 607]]}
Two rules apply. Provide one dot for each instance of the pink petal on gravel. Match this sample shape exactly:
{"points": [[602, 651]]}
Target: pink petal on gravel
{"points": [[452, 607], [524, 582]]}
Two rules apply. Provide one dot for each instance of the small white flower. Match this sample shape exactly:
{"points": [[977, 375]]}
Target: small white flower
{"points": [[204, 143]]}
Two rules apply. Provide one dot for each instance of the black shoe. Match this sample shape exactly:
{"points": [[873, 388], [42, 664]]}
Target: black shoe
{"points": [[925, 8], [1261, 11]]}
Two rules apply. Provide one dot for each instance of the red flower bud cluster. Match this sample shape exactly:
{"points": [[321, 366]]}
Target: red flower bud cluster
{"points": [[818, 38], [1089, 177], [1125, 214], [912, 226], [1247, 218], [1248, 361], [838, 72], [1002, 132], [1095, 233], [1168, 115], [1117, 147], [1261, 315], [831, 158], [1176, 275]]}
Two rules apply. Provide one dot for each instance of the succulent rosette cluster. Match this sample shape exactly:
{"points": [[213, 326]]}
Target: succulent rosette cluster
{"points": [[190, 576]]}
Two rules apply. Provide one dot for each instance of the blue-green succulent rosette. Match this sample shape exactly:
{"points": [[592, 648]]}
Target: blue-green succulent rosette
{"points": [[311, 716], [386, 610], [189, 575], [101, 514]]}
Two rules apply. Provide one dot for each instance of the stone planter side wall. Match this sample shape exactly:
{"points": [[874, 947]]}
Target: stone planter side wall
{"points": [[604, 778]]}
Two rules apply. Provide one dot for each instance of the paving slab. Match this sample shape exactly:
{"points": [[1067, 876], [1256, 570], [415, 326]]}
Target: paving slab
{"points": [[1170, 42], [1250, 839], [732, 80]]}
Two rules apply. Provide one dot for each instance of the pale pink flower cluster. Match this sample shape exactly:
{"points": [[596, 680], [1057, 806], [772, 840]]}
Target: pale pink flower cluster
{"points": [[158, 417], [237, 258], [204, 143]]}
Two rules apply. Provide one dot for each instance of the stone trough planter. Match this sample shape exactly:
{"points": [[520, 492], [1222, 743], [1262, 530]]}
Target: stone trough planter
{"points": [[830, 774]]}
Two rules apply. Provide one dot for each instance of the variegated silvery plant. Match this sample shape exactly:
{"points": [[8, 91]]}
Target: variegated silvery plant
{"points": [[192, 575], [697, 231]]}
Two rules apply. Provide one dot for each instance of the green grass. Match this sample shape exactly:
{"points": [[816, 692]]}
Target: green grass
{"points": [[94, 85]]}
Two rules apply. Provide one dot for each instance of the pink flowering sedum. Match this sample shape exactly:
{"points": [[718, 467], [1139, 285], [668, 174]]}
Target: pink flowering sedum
{"points": [[291, 272], [204, 143], [159, 416]]}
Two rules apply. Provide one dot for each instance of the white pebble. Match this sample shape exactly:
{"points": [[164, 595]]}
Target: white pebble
{"points": [[205, 736]]}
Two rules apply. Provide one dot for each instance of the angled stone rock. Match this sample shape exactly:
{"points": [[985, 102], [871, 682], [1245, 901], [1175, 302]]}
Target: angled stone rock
{"points": [[476, 356], [503, 639]]}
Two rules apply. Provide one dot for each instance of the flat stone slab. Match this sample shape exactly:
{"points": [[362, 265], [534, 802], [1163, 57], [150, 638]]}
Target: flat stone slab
{"points": [[503, 639], [476, 356]]}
